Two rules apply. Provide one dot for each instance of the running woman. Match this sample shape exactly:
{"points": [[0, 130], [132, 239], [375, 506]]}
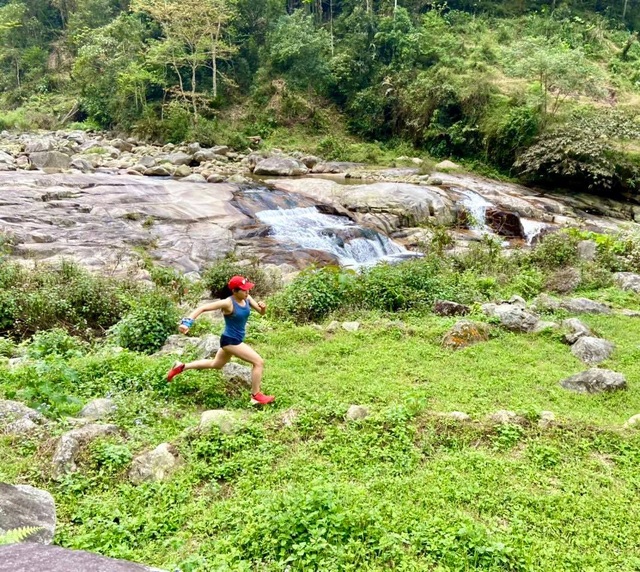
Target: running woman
{"points": [[236, 309]]}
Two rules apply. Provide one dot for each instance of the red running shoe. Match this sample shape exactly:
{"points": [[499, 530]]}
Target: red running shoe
{"points": [[261, 399], [177, 368]]}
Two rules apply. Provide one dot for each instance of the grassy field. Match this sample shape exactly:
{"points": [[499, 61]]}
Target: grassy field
{"points": [[407, 488]]}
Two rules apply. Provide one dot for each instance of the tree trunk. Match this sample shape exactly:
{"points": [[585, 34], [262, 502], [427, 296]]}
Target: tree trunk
{"points": [[632, 38], [624, 10], [214, 59]]}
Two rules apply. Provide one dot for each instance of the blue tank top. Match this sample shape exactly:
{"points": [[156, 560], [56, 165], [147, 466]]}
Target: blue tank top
{"points": [[235, 323]]}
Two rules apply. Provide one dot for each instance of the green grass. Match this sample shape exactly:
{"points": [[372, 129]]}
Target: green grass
{"points": [[404, 489]]}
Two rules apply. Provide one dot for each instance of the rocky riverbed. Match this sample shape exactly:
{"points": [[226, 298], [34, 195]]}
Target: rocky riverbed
{"points": [[101, 200]]}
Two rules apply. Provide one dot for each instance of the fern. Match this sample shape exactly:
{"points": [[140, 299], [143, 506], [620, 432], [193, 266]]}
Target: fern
{"points": [[18, 534]]}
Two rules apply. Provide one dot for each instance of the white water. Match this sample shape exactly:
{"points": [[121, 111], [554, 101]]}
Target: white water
{"points": [[352, 245], [476, 205], [531, 229]]}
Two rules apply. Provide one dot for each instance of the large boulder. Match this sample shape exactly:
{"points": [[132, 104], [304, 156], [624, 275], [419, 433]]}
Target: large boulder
{"points": [[448, 308], [592, 350], [584, 306], [72, 442], [595, 381], [156, 465], [283, 166], [26, 506], [236, 374], [504, 223], [50, 160], [36, 558]]}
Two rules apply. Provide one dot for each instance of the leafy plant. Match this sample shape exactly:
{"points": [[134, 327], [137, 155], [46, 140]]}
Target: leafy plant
{"points": [[18, 534]]}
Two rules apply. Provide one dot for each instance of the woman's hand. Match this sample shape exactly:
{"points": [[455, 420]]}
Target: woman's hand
{"points": [[183, 329]]}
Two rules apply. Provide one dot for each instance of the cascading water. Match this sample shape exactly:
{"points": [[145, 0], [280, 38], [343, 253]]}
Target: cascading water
{"points": [[352, 245], [531, 229], [476, 205]]}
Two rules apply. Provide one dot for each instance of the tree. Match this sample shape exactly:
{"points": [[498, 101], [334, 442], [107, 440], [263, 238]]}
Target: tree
{"points": [[560, 71], [193, 31]]}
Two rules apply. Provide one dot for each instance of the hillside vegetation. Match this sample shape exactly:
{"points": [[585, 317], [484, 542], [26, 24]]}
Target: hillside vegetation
{"points": [[301, 485], [548, 91]]}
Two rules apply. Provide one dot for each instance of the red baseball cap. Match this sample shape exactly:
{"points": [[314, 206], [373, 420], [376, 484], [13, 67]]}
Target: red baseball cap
{"points": [[240, 282]]}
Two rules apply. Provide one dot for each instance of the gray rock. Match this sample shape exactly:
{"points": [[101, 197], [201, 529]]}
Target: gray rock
{"points": [[98, 409], [310, 161], [630, 313], [446, 165], [6, 159], [155, 466], [543, 326], [459, 416], [179, 158], [281, 166], [587, 250], [351, 326], [21, 427], [120, 145], [448, 308], [289, 418], [595, 381], [504, 416], [158, 171], [147, 161], [544, 302], [50, 160], [564, 281], [236, 374], [11, 411], [193, 148], [332, 327], [194, 178], [36, 558], [547, 419], [357, 412], [72, 442], [39, 145], [584, 306], [628, 281], [465, 333], [182, 171], [513, 317], [221, 150], [238, 179], [633, 421], [227, 421], [204, 155], [592, 350], [576, 330], [215, 178], [82, 165], [23, 505]]}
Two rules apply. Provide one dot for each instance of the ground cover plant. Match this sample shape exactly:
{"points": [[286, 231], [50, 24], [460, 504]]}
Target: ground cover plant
{"points": [[300, 486]]}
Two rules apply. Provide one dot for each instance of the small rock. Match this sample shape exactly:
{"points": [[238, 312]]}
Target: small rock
{"points": [[633, 421], [215, 178], [630, 313], [512, 316], [351, 326], [576, 330], [21, 427], [544, 326], [595, 381], [448, 308], [504, 416], [587, 250], [182, 171], [195, 178], [226, 421], [289, 418], [465, 334], [591, 350], [155, 466], [237, 179], [332, 327], [98, 409], [459, 416], [157, 171], [547, 418], [446, 165], [357, 412], [564, 280]]}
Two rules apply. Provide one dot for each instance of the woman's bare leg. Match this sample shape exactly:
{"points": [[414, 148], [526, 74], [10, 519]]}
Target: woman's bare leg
{"points": [[248, 354], [221, 359]]}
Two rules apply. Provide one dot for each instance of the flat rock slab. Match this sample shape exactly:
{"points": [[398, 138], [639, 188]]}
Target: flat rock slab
{"points": [[584, 306], [595, 381], [23, 505], [36, 558]]}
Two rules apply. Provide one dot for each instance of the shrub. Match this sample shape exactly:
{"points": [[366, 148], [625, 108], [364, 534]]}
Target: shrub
{"points": [[7, 347], [216, 277], [56, 342], [147, 325], [556, 250], [315, 293]]}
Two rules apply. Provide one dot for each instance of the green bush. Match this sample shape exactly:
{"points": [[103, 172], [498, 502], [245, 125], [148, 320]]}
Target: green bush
{"points": [[556, 250], [216, 277], [56, 342], [7, 347], [147, 325], [315, 293]]}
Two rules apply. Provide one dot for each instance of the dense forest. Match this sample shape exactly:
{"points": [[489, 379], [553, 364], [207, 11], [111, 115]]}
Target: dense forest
{"points": [[545, 90]]}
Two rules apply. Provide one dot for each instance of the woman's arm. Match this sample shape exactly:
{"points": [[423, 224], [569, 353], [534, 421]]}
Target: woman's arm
{"points": [[219, 305], [259, 307]]}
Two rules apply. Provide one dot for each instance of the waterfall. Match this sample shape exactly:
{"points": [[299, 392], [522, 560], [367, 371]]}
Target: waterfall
{"points": [[476, 205], [531, 229], [352, 245]]}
